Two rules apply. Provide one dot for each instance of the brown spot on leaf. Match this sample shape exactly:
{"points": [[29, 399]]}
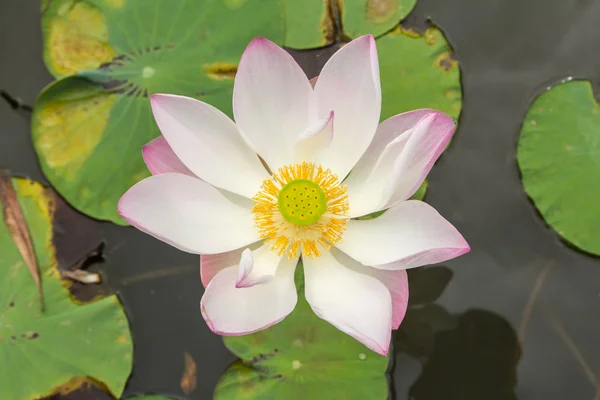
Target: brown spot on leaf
{"points": [[409, 31], [378, 11], [446, 61], [31, 335], [80, 388], [327, 23], [221, 70]]}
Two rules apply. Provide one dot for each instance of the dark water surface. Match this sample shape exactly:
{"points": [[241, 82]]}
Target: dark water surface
{"points": [[520, 316]]}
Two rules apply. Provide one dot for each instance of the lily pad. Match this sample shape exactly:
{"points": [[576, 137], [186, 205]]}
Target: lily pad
{"points": [[308, 24], [558, 157], [88, 128], [43, 350], [302, 357], [418, 71], [360, 17], [312, 23]]}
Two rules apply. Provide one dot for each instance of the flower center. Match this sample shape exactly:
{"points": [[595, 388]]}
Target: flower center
{"points": [[302, 202], [301, 208]]}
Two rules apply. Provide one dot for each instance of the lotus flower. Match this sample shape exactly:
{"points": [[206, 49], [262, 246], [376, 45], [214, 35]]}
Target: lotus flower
{"points": [[288, 179]]}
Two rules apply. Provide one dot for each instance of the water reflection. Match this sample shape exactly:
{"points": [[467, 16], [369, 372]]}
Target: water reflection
{"points": [[476, 360], [468, 356]]}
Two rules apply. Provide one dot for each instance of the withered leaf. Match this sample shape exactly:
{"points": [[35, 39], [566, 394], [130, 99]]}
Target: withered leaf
{"points": [[188, 380], [17, 226]]}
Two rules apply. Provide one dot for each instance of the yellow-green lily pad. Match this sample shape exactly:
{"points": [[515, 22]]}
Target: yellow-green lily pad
{"points": [[89, 127]]}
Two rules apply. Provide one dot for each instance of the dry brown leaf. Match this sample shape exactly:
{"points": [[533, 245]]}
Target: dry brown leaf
{"points": [[17, 226], [188, 380]]}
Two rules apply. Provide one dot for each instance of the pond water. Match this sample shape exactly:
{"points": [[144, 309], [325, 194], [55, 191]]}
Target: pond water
{"points": [[518, 317]]}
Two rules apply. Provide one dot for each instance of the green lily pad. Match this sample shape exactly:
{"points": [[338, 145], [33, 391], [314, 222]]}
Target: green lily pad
{"points": [[88, 128], [418, 71], [42, 350], [558, 157], [302, 357], [310, 23]]}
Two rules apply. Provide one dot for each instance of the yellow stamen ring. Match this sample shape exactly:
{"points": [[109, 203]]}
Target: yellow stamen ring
{"points": [[303, 208]]}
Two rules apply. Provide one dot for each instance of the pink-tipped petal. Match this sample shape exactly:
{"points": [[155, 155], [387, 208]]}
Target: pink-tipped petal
{"points": [[409, 234], [314, 140], [401, 155], [187, 213], [232, 311], [160, 158], [355, 303], [313, 81], [271, 101], [208, 143], [349, 85], [396, 282]]}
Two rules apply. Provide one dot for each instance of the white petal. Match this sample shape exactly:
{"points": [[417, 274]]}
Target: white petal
{"points": [[229, 310], [401, 155], [357, 304], [208, 143], [409, 234], [349, 85], [271, 101], [187, 213], [257, 266], [160, 158], [314, 140]]}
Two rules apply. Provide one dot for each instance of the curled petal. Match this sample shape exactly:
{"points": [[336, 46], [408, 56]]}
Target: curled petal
{"points": [[401, 155], [314, 140], [232, 311], [257, 266]]}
